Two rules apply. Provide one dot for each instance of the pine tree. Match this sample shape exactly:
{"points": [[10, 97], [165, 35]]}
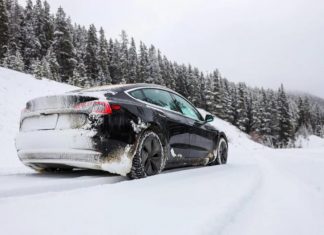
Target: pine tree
{"points": [[227, 102], [123, 53], [143, 65], [114, 62], [241, 107], [218, 109], [91, 57], [13, 60], [133, 62], [194, 84], [47, 29], [208, 93], [63, 47], [317, 122], [154, 68], [4, 29], [104, 75], [253, 122], [15, 16], [53, 65], [79, 76], [173, 74], [161, 78], [30, 44], [202, 101], [36, 67], [273, 139], [45, 68], [285, 125], [265, 115]]}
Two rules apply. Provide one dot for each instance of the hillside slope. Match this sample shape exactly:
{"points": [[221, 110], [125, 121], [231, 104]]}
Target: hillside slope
{"points": [[260, 190], [15, 90]]}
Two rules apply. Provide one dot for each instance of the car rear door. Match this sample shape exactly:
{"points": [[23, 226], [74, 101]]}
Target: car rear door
{"points": [[202, 139], [176, 124]]}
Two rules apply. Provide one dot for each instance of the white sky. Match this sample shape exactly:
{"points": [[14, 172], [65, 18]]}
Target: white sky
{"points": [[260, 42]]}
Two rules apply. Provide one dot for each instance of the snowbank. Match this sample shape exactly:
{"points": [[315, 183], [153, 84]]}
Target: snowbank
{"points": [[15, 89], [236, 138], [311, 141]]}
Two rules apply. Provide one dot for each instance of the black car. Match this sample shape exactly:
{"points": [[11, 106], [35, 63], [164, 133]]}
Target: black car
{"points": [[131, 129]]}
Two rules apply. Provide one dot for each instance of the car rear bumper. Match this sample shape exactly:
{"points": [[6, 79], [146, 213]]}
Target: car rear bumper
{"points": [[77, 148], [42, 158]]}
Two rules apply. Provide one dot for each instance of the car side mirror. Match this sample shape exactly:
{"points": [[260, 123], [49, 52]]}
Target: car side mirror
{"points": [[209, 118]]}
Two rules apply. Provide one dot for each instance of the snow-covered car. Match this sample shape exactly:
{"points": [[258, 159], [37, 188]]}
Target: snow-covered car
{"points": [[132, 129]]}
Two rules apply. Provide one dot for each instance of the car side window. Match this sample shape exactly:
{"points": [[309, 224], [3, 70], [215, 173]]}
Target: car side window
{"points": [[138, 94], [160, 98], [186, 108], [157, 97]]}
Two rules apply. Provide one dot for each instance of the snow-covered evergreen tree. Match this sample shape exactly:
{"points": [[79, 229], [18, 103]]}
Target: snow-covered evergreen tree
{"points": [[241, 107], [63, 46], [4, 29], [217, 93], [37, 69], [123, 56], [132, 63], [143, 65], [53, 65], [91, 57], [104, 75], [285, 125]]}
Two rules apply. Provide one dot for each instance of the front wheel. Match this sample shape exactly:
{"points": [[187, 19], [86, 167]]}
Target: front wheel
{"points": [[149, 158], [220, 153]]}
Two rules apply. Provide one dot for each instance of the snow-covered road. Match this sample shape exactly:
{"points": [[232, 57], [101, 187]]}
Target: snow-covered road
{"points": [[259, 191]]}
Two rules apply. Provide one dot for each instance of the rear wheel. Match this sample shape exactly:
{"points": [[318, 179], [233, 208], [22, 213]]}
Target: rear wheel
{"points": [[221, 153], [149, 158]]}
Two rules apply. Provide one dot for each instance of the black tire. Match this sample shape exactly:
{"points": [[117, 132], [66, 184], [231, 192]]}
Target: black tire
{"points": [[149, 158], [221, 153]]}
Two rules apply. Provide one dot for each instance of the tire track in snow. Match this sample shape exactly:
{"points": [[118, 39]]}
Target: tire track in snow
{"points": [[31, 184], [239, 204], [279, 206]]}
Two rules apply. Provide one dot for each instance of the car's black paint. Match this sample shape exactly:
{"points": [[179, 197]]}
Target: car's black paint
{"points": [[187, 141]]}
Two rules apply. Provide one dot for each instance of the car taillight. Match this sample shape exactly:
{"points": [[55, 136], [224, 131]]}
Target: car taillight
{"points": [[98, 107]]}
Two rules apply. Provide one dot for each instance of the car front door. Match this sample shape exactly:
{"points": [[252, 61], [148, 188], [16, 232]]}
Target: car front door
{"points": [[202, 139]]}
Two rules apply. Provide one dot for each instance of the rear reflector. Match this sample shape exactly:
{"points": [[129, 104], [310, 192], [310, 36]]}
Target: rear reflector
{"points": [[98, 107], [115, 107]]}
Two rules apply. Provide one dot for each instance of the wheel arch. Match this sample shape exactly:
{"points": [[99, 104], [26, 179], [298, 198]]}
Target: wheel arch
{"points": [[222, 135]]}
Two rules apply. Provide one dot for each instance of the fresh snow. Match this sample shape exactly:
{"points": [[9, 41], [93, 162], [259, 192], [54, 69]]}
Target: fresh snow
{"points": [[311, 141], [15, 90], [260, 190]]}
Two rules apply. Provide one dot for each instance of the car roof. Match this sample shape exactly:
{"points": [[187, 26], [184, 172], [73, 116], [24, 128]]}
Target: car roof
{"points": [[121, 87]]}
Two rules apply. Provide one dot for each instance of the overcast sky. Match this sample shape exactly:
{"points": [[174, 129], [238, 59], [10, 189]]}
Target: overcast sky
{"points": [[260, 42]]}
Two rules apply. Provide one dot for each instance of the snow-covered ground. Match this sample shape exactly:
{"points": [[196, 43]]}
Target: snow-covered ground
{"points": [[259, 191]]}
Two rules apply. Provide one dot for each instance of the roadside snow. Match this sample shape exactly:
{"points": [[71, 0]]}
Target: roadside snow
{"points": [[236, 138], [311, 141], [15, 90]]}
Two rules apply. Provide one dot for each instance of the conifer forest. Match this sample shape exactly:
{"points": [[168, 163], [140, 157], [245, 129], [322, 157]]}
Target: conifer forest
{"points": [[38, 40]]}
